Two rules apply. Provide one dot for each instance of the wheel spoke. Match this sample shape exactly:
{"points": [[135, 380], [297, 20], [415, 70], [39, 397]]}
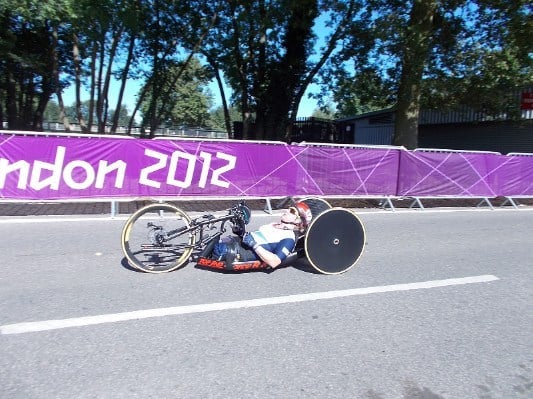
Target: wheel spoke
{"points": [[154, 239]]}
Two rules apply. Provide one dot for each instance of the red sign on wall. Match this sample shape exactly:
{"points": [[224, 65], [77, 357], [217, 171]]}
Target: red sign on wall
{"points": [[527, 101]]}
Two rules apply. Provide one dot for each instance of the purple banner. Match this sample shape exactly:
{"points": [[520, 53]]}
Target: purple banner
{"points": [[515, 176], [331, 171], [38, 168], [450, 174], [54, 168]]}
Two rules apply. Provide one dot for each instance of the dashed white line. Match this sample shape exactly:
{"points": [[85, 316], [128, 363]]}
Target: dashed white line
{"points": [[20, 328]]}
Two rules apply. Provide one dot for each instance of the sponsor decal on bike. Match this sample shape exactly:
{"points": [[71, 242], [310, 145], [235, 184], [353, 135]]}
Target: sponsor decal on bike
{"points": [[212, 263], [254, 265]]}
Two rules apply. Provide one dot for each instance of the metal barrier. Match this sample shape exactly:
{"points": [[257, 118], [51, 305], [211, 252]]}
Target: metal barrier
{"points": [[416, 175]]}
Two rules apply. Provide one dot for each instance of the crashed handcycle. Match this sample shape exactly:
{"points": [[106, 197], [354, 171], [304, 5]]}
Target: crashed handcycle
{"points": [[161, 237]]}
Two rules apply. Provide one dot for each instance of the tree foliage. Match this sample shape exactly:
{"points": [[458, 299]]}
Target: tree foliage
{"points": [[264, 51], [433, 54], [30, 51], [185, 101], [364, 54]]}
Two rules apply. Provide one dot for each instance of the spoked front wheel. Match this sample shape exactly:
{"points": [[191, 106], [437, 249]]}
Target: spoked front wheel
{"points": [[156, 238]]}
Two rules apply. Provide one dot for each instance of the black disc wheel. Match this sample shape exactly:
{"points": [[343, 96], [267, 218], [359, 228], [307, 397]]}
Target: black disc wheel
{"points": [[156, 238], [335, 241]]}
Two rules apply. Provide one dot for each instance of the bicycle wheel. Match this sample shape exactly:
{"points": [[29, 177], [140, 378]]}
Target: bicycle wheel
{"points": [[155, 240], [335, 241]]}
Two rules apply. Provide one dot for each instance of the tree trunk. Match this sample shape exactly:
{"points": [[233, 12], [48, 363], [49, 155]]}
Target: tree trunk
{"points": [[123, 81], [44, 97], [277, 102], [11, 100], [99, 87], [116, 36], [1, 111], [225, 108], [416, 51], [58, 90], [26, 96], [48, 78], [77, 82], [332, 44], [93, 87]]}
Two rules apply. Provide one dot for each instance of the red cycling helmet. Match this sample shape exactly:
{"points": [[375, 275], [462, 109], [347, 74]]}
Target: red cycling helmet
{"points": [[303, 211]]}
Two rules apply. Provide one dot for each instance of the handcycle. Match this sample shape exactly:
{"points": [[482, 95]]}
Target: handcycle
{"points": [[160, 238]]}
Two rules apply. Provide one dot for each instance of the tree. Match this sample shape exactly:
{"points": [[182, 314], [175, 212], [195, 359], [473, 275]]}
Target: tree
{"points": [[218, 120], [121, 118], [488, 64], [281, 77], [101, 32], [429, 53], [47, 46], [367, 91], [415, 52], [52, 113], [324, 112], [375, 54], [264, 49], [185, 101], [30, 54]]}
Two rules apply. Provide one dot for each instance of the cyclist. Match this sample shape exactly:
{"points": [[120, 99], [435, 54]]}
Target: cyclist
{"points": [[271, 243]]}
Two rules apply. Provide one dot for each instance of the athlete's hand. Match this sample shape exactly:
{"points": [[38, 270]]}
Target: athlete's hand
{"points": [[249, 241]]}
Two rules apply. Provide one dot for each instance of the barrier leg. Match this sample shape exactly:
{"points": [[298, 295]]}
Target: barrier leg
{"points": [[268, 206], [387, 202], [511, 201], [114, 208], [417, 201], [486, 201]]}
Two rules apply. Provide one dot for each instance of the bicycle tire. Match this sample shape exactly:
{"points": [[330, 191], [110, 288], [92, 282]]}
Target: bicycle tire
{"points": [[144, 246]]}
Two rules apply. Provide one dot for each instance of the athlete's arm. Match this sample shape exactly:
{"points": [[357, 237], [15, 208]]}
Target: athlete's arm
{"points": [[275, 253], [268, 257]]}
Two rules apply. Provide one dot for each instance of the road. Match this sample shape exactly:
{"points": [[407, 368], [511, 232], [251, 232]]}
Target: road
{"points": [[439, 306]]}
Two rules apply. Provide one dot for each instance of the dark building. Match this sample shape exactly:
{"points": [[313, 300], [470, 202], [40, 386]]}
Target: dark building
{"points": [[461, 129]]}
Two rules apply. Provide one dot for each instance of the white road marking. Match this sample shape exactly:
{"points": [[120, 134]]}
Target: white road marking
{"points": [[20, 328]]}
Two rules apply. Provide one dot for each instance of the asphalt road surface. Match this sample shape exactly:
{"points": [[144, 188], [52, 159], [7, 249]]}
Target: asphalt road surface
{"points": [[439, 306]]}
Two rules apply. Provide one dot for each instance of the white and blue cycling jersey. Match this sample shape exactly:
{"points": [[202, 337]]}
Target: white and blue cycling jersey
{"points": [[278, 241]]}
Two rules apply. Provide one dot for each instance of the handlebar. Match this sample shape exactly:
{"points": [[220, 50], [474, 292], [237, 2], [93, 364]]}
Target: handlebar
{"points": [[241, 215], [241, 211]]}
